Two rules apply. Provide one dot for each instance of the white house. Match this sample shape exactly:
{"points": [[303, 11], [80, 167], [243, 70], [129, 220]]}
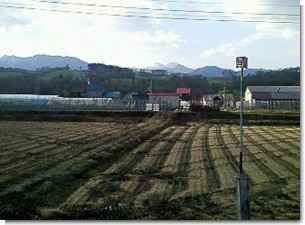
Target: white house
{"points": [[273, 97]]}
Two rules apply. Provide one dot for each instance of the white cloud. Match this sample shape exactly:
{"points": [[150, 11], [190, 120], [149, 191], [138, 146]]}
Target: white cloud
{"points": [[263, 31], [254, 10], [279, 30], [226, 49], [158, 38], [231, 49], [135, 41], [8, 19]]}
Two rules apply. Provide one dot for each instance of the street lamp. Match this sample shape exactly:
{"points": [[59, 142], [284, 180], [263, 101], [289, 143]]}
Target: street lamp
{"points": [[243, 203]]}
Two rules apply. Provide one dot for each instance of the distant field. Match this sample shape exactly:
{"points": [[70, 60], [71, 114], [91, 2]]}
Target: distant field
{"points": [[150, 168]]}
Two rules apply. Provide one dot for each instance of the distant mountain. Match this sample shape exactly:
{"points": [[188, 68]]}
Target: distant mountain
{"points": [[42, 61], [180, 69], [210, 71], [157, 66], [252, 71], [172, 65], [171, 68], [214, 71]]}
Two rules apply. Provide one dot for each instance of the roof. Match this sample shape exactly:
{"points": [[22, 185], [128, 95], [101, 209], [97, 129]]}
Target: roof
{"points": [[136, 96], [78, 90], [129, 96], [163, 94], [286, 96], [95, 87], [228, 97], [274, 89], [181, 91], [112, 94], [140, 97], [208, 97], [262, 95]]}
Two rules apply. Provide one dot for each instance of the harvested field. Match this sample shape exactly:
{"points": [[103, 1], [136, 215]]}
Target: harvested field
{"points": [[153, 168]]}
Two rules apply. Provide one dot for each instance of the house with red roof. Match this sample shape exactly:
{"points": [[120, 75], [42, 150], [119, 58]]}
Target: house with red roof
{"points": [[170, 101], [184, 93]]}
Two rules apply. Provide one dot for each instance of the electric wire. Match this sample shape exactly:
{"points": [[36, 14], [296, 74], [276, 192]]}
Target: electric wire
{"points": [[132, 14], [160, 9], [219, 3]]}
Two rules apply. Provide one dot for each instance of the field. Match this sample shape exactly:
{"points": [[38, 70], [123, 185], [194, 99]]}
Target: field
{"points": [[146, 168]]}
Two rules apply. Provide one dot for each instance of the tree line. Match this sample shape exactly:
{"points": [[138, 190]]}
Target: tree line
{"points": [[62, 82]]}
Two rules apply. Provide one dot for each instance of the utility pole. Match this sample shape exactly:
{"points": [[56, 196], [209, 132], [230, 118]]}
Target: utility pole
{"points": [[243, 202], [224, 96], [151, 86]]}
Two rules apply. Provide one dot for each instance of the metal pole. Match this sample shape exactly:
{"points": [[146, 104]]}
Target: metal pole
{"points": [[243, 202], [241, 122]]}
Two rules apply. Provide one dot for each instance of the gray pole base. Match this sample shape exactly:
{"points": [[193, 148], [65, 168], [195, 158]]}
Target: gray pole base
{"points": [[243, 202]]}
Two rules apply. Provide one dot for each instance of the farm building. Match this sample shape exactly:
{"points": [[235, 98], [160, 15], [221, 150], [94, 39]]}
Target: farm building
{"points": [[228, 100], [95, 91], [218, 99], [207, 99], [273, 97], [166, 100], [184, 93], [135, 100], [78, 92], [114, 95]]}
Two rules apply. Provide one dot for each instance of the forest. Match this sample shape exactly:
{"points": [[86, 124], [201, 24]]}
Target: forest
{"points": [[62, 81]]}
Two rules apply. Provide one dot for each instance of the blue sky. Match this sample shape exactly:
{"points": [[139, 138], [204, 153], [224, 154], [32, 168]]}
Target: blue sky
{"points": [[139, 42]]}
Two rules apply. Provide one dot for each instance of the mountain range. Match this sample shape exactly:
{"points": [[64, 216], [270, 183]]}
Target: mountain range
{"points": [[47, 61], [207, 71], [42, 61], [171, 68]]}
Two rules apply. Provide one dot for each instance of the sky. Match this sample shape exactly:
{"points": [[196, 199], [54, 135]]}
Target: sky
{"points": [[139, 33]]}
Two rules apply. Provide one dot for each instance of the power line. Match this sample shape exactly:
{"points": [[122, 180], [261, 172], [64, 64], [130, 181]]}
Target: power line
{"points": [[143, 16], [162, 9], [219, 3]]}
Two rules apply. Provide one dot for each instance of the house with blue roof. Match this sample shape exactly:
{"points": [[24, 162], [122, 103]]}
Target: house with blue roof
{"points": [[95, 91], [114, 95]]}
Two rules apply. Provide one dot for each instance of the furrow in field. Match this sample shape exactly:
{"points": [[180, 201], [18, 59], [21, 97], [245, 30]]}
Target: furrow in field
{"points": [[197, 175], [248, 165], [79, 155], [257, 156], [132, 159], [154, 160], [272, 151], [290, 144], [225, 161], [212, 174]]}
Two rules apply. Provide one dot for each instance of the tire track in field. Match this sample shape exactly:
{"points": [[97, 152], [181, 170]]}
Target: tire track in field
{"points": [[180, 184], [66, 165], [230, 157], [267, 168], [288, 165], [128, 163], [135, 185], [234, 144], [285, 139], [197, 174], [213, 180], [225, 162], [163, 153]]}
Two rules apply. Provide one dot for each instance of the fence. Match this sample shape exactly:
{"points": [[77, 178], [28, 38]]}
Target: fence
{"points": [[68, 104], [277, 104]]}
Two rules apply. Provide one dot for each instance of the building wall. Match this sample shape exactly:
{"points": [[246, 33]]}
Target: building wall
{"points": [[171, 101], [248, 97], [94, 94]]}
